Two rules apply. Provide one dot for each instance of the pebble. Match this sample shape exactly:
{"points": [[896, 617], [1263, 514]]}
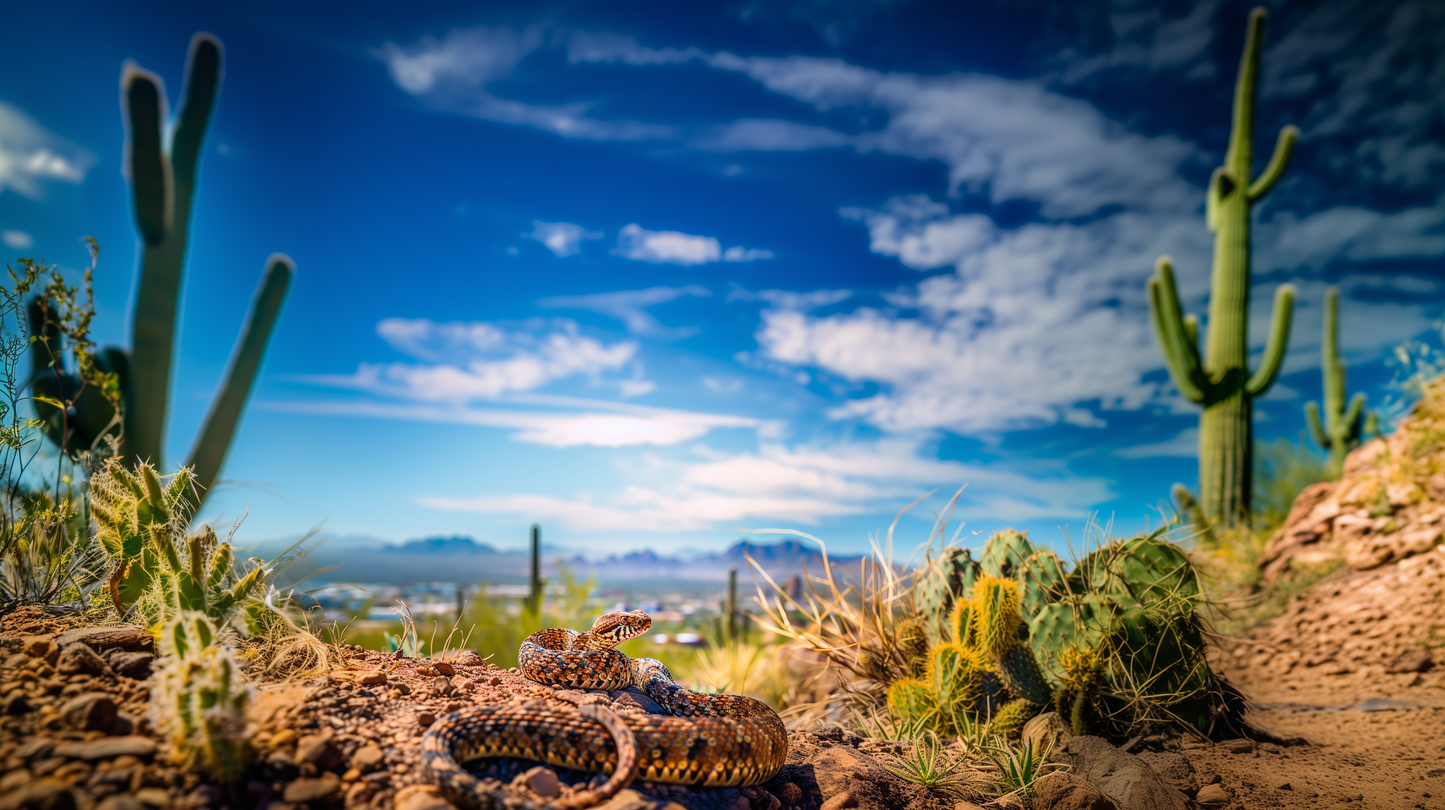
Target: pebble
{"points": [[372, 678], [443, 668], [425, 719], [154, 796], [120, 801], [107, 748], [420, 797], [89, 711], [366, 758], [839, 801], [311, 790], [541, 781], [80, 659], [1240, 746], [1212, 795]]}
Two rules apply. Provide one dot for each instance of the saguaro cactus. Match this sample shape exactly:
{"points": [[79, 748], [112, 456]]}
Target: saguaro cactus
{"points": [[1219, 380], [162, 183], [1343, 426]]}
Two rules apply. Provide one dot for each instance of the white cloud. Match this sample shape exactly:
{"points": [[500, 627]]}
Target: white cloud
{"points": [[31, 156], [742, 254], [454, 72], [768, 135], [630, 307], [666, 247], [634, 426], [562, 238], [19, 240], [801, 485], [1287, 241], [1186, 444], [1144, 38], [786, 299], [469, 361]]}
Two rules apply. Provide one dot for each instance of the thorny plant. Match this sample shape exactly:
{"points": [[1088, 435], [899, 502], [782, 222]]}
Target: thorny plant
{"points": [[1021, 765], [46, 552], [927, 763], [853, 625], [761, 671]]}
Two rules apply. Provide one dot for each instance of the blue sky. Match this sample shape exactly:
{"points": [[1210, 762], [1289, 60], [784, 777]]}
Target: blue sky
{"points": [[648, 273]]}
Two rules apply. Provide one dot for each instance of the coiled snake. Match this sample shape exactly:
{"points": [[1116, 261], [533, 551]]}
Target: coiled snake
{"points": [[709, 740]]}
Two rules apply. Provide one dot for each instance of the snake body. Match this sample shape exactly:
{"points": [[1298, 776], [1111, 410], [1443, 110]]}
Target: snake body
{"points": [[709, 740]]}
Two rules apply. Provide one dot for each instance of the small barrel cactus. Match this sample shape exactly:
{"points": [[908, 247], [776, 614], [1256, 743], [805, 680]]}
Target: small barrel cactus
{"points": [[199, 699]]}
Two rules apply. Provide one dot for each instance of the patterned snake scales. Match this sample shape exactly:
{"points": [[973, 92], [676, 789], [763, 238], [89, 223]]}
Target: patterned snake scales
{"points": [[711, 740]]}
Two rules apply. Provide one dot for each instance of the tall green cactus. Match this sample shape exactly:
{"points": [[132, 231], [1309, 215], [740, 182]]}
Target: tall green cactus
{"points": [[1219, 380], [1343, 426], [162, 184]]}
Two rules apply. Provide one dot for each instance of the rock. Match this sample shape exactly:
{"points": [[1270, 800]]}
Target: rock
{"points": [[89, 711], [541, 781], [312, 789], [425, 719], [35, 748], [154, 796], [790, 794], [120, 801], [124, 636], [624, 800], [1124, 778], [1061, 790], [319, 750], [80, 659], [373, 678], [1173, 768], [1008, 801], [135, 665], [1048, 724], [1240, 746], [46, 794], [285, 736], [443, 668], [839, 801], [107, 748], [367, 758], [421, 797], [1411, 661], [469, 658], [42, 647], [1212, 796]]}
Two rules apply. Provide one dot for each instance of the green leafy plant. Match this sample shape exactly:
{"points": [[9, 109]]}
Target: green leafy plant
{"points": [[1218, 379], [78, 414], [1020, 765], [926, 763], [47, 554], [199, 698]]}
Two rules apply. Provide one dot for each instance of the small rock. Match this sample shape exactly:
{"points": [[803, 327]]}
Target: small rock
{"points": [[89, 711], [790, 794], [319, 750], [494, 681], [312, 790], [367, 758], [136, 665], [372, 678], [1411, 661], [624, 800], [46, 794], [425, 719], [1284, 786], [839, 801], [80, 659], [1212, 796], [43, 647], [1240, 746], [443, 668], [108, 748], [1048, 724], [1061, 790], [16, 778], [468, 658], [153, 796], [120, 801], [35, 747], [285, 736], [542, 781], [421, 797]]}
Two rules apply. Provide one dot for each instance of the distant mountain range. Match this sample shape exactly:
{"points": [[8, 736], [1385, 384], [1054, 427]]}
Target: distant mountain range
{"points": [[452, 559]]}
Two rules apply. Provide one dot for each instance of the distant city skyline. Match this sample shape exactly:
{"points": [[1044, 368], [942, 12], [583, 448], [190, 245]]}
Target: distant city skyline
{"points": [[649, 275]]}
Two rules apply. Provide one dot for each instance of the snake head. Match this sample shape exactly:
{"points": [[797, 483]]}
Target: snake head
{"points": [[619, 626]]}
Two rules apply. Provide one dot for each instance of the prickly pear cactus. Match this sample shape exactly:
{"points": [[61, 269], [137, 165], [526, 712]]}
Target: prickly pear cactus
{"points": [[1001, 633], [946, 579], [199, 699], [1006, 553]]}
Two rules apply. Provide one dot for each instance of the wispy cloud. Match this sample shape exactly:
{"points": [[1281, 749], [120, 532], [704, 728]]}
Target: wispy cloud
{"points": [[470, 361], [666, 247], [786, 299], [611, 427], [32, 156], [1186, 443], [562, 238], [19, 240], [630, 307], [799, 485], [1144, 37]]}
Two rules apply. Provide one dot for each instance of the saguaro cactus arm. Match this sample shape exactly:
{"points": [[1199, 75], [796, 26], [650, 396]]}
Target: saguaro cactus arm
{"points": [[1277, 343], [220, 425], [162, 186], [1317, 429], [1177, 335], [1274, 170]]}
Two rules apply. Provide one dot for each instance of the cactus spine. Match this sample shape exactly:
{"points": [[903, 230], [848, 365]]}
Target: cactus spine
{"points": [[1219, 380], [162, 184], [199, 699], [1343, 426]]}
